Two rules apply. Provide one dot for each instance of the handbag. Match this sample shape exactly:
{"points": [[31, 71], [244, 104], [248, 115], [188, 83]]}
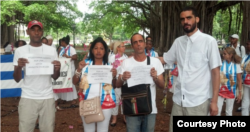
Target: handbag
{"points": [[91, 109], [136, 100]]}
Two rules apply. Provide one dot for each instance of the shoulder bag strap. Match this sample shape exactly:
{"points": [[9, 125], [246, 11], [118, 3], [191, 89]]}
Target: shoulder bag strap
{"points": [[148, 60]]}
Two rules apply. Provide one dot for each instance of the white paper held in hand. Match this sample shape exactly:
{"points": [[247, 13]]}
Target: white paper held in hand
{"points": [[140, 75], [100, 74], [39, 64]]}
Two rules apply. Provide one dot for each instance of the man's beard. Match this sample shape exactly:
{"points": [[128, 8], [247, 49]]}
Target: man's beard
{"points": [[191, 29]]}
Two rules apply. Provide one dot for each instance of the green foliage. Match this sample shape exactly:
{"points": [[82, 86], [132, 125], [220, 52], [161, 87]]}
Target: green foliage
{"points": [[110, 20], [55, 15], [221, 21], [8, 8], [80, 56]]}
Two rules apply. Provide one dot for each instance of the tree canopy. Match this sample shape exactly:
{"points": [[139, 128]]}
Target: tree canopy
{"points": [[162, 18], [56, 15]]}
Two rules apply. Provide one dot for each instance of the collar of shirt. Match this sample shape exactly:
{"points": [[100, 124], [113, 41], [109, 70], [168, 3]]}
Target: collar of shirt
{"points": [[194, 36]]}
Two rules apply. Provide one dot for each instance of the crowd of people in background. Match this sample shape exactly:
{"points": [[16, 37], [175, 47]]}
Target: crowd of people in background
{"points": [[192, 63]]}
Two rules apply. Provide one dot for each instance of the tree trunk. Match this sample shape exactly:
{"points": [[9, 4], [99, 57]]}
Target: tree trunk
{"points": [[11, 34], [4, 34], [245, 34]]}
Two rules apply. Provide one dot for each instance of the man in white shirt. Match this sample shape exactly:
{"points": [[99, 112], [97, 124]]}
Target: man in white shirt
{"points": [[144, 123], [198, 59], [240, 50], [37, 94]]}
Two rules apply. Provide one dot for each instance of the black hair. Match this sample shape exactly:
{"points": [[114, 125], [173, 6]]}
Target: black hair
{"points": [[189, 8], [148, 37], [59, 45], [45, 39], [16, 43], [5, 45], [91, 55], [134, 35], [66, 39]]}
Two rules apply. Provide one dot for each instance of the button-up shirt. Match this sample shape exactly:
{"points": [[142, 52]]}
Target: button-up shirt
{"points": [[196, 56]]}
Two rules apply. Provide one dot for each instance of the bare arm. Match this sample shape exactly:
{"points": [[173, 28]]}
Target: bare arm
{"points": [[216, 86], [74, 57], [18, 69], [159, 81], [57, 67], [17, 73], [239, 87], [76, 78], [119, 82], [124, 77]]}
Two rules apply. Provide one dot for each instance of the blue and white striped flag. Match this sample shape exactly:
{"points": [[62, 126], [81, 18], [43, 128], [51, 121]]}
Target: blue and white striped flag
{"points": [[9, 87]]}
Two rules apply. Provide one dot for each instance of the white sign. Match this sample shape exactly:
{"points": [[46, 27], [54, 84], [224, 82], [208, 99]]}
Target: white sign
{"points": [[64, 82], [39, 64], [140, 75], [100, 74]]}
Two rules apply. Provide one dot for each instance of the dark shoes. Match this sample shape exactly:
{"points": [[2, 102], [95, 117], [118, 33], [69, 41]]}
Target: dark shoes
{"points": [[112, 124], [37, 126], [239, 109]]}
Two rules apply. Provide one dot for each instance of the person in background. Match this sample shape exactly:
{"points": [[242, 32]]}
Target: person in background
{"points": [[231, 71], [59, 46], [234, 43], [68, 51], [45, 41], [116, 60], [111, 48], [8, 48], [149, 50], [20, 43], [240, 51], [50, 41], [246, 82]]}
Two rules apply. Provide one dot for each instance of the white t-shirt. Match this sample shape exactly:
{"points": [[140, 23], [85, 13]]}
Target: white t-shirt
{"points": [[131, 62], [53, 45], [36, 86]]}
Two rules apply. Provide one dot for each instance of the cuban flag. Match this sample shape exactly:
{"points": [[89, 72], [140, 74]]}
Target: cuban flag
{"points": [[9, 87]]}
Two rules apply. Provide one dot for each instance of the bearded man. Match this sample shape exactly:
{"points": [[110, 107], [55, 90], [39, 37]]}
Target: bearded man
{"points": [[199, 62]]}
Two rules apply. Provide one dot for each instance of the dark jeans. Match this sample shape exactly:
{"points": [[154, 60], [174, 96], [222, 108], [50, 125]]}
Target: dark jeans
{"points": [[141, 123]]}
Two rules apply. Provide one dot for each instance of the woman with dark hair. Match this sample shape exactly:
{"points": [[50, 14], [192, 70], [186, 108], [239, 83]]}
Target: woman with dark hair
{"points": [[20, 43], [59, 47], [98, 55], [68, 51], [45, 41]]}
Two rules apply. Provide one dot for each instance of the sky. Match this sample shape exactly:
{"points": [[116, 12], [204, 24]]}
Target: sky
{"points": [[82, 5]]}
